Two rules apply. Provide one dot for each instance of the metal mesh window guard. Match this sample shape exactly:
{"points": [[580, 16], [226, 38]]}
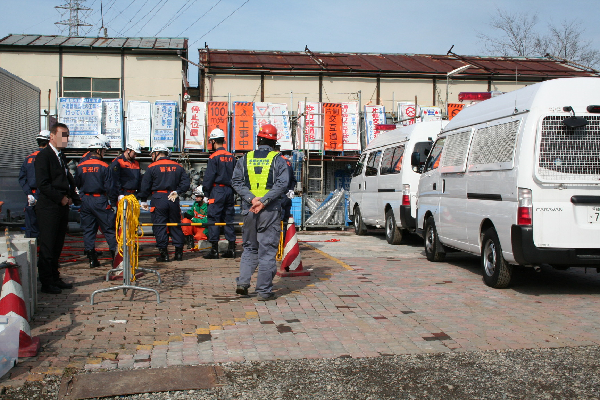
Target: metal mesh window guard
{"points": [[569, 154]]}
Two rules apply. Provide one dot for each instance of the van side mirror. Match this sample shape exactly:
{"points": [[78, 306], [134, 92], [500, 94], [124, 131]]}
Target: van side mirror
{"points": [[415, 159]]}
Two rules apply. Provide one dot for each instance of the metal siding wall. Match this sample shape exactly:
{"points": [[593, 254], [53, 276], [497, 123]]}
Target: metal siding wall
{"points": [[19, 120]]}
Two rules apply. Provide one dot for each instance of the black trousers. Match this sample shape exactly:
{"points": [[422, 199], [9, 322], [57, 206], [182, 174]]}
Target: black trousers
{"points": [[52, 222]]}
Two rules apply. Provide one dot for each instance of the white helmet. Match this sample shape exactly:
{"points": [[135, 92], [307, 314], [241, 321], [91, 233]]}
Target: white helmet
{"points": [[161, 148], [43, 135], [98, 144], [199, 191], [103, 139], [135, 146], [216, 134]]}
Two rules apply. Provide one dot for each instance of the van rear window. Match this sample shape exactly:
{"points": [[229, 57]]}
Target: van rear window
{"points": [[373, 163], [359, 165], [391, 163]]}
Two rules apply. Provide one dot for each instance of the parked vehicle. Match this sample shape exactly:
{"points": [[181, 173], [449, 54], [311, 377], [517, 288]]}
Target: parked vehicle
{"points": [[384, 184], [516, 180]]}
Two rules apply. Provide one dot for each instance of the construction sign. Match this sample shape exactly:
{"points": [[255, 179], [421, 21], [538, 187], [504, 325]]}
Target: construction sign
{"points": [[195, 125], [217, 117], [453, 109], [309, 130], [332, 126], [243, 126], [408, 110], [374, 115], [350, 120], [83, 116]]}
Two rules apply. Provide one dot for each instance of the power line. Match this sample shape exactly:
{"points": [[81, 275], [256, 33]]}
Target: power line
{"points": [[134, 15], [144, 17], [151, 18], [224, 19], [178, 14], [199, 18]]}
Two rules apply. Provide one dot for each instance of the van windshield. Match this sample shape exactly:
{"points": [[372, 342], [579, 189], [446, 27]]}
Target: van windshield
{"points": [[359, 166]]}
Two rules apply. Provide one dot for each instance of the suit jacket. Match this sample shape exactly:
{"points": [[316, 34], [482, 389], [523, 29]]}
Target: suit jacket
{"points": [[52, 180]]}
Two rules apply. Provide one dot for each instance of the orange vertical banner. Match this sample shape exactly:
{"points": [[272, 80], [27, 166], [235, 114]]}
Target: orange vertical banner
{"points": [[217, 117], [333, 126], [243, 125]]}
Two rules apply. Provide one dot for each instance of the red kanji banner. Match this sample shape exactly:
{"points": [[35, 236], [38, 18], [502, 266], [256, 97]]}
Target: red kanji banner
{"points": [[217, 117], [333, 126], [243, 125]]}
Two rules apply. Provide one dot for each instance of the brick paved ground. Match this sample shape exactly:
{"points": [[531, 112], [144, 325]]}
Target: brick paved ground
{"points": [[364, 298]]}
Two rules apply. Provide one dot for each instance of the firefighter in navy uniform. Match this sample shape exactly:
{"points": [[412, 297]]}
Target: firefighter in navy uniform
{"points": [[126, 173], [29, 185], [261, 177], [217, 187], [286, 199], [95, 183], [165, 180]]}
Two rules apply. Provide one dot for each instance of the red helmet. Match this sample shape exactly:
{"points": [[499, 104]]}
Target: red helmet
{"points": [[267, 131]]}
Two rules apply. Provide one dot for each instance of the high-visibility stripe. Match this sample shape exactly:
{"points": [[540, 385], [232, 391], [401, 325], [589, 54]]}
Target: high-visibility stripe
{"points": [[257, 170]]}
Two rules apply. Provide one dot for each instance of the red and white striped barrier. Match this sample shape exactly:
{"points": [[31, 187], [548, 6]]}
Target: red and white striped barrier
{"points": [[291, 265], [12, 304]]}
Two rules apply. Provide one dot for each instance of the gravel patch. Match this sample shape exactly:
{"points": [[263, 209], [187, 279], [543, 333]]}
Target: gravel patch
{"points": [[560, 373]]}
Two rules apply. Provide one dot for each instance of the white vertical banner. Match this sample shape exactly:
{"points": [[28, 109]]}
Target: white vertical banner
{"points": [[83, 116], [261, 115], [431, 114], [309, 133], [350, 118], [195, 125], [139, 116], [164, 122], [112, 122], [275, 114], [374, 115], [406, 110]]}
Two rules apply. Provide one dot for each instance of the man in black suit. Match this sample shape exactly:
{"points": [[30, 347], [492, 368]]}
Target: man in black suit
{"points": [[56, 193]]}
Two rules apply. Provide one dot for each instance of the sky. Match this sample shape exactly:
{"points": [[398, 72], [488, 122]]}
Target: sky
{"points": [[371, 26]]}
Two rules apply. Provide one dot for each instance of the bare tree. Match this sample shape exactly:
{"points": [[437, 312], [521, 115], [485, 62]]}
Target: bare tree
{"points": [[517, 37]]}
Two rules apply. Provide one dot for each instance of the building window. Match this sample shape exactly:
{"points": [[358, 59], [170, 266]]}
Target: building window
{"points": [[105, 88]]}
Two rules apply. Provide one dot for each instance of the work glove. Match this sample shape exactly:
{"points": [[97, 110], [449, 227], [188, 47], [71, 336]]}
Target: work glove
{"points": [[205, 199], [290, 194], [144, 205], [120, 197], [31, 200], [173, 196]]}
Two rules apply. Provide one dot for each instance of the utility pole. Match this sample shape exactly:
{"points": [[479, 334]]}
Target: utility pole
{"points": [[74, 21]]}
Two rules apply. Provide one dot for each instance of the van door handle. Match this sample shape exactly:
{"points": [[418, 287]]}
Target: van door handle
{"points": [[443, 186], [359, 186], [434, 186]]}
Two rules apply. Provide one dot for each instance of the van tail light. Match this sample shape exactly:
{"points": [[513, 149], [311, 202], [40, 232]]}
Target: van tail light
{"points": [[525, 210], [406, 195]]}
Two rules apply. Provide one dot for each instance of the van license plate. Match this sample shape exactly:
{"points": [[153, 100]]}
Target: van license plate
{"points": [[593, 214]]}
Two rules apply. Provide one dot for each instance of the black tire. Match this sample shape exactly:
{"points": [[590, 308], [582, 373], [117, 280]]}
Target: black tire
{"points": [[393, 234], [497, 273], [359, 226], [432, 242]]}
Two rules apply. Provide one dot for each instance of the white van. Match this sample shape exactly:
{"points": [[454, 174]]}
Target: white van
{"points": [[516, 180], [384, 184]]}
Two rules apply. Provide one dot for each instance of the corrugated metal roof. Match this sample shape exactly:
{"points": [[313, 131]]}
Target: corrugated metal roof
{"points": [[130, 43], [427, 64]]}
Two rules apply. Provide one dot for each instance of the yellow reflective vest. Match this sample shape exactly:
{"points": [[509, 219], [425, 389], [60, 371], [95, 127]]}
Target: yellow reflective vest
{"points": [[258, 170]]}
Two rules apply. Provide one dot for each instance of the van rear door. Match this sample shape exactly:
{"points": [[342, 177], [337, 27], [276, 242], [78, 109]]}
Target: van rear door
{"points": [[369, 207], [566, 206], [430, 188]]}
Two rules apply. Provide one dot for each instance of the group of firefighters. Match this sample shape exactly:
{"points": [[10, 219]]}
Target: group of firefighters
{"points": [[264, 179]]}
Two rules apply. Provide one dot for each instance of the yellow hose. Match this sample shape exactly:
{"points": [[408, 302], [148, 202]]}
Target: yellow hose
{"points": [[279, 255], [132, 217]]}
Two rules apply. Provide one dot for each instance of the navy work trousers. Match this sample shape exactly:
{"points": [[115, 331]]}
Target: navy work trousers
{"points": [[162, 211], [221, 209], [31, 226], [95, 212]]}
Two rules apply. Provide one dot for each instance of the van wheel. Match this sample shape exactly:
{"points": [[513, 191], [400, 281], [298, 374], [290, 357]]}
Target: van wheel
{"points": [[432, 242], [359, 226], [497, 273], [393, 234]]}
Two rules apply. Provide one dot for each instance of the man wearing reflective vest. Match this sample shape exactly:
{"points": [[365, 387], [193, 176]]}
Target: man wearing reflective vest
{"points": [[95, 183], [165, 180], [218, 190], [29, 185], [260, 177], [126, 172]]}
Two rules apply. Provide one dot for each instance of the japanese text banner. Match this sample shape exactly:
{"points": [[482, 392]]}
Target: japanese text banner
{"points": [[332, 127], [243, 126], [195, 125], [112, 122], [217, 117], [350, 120], [83, 116], [374, 115], [164, 123], [309, 132]]}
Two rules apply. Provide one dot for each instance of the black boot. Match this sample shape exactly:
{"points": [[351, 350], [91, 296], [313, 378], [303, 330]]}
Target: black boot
{"points": [[112, 255], [178, 254], [164, 256], [191, 243], [230, 252], [214, 252], [93, 257]]}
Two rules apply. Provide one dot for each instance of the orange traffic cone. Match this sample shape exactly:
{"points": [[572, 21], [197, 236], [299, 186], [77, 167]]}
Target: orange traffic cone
{"points": [[12, 304], [292, 262]]}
